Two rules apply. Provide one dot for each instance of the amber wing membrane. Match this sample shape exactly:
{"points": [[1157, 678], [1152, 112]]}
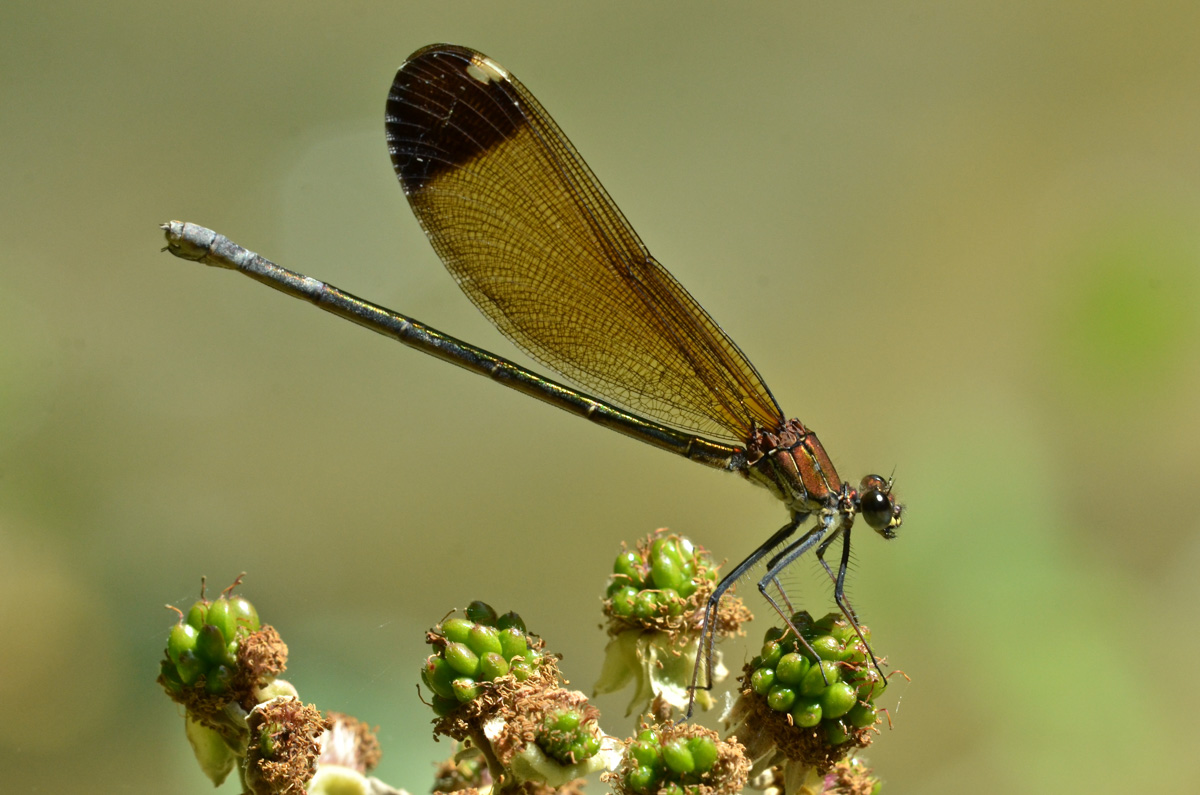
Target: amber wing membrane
{"points": [[537, 244]]}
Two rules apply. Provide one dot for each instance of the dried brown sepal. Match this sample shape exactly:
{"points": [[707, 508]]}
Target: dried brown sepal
{"points": [[349, 743], [284, 746], [850, 777], [219, 712], [762, 729], [497, 697], [196, 699], [728, 775], [731, 614], [261, 658], [524, 718], [660, 709]]}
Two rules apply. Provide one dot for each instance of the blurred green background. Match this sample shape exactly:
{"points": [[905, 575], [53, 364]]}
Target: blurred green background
{"points": [[959, 240]]}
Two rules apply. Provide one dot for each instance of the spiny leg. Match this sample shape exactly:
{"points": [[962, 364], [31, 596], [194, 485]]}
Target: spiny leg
{"points": [[787, 602], [833, 577], [708, 623], [839, 585], [782, 561]]}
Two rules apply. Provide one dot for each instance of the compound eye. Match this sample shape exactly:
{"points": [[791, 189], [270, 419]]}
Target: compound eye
{"points": [[876, 507]]}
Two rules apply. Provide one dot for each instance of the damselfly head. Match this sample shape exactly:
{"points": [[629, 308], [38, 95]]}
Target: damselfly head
{"points": [[878, 505]]}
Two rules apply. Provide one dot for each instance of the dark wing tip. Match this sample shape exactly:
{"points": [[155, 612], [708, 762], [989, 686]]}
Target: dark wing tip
{"points": [[448, 106]]}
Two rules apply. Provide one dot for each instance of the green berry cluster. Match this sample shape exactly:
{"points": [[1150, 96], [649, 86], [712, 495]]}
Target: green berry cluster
{"points": [[657, 578], [204, 644], [474, 650], [836, 689], [568, 737], [674, 767]]}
